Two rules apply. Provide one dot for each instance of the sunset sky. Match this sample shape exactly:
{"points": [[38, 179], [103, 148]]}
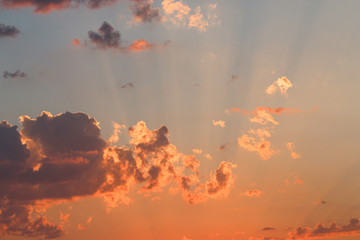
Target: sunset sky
{"points": [[179, 119]]}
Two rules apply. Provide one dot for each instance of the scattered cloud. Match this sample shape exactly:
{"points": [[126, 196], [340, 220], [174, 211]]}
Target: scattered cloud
{"points": [[176, 11], [222, 147], [50, 5], [198, 21], [143, 11], [139, 45], [320, 202], [76, 41], [234, 109], [196, 151], [127, 85], [252, 193], [106, 37], [8, 31], [258, 142], [283, 84], [219, 123], [16, 74], [268, 229], [291, 147]]}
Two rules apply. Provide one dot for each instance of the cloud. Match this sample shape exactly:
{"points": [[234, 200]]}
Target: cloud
{"points": [[75, 42], [222, 147], [252, 193], [127, 85], [197, 151], [320, 231], [8, 31], [268, 229], [52, 157], [17, 221], [117, 130], [283, 84], [176, 11], [291, 147], [16, 74], [50, 5], [259, 143], [234, 109], [143, 11], [139, 45], [106, 37], [320, 202], [197, 20], [219, 123]]}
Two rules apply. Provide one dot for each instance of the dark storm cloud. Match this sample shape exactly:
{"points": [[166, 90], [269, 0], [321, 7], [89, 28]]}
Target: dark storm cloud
{"points": [[8, 31], [46, 6], [106, 37], [144, 12], [16, 74]]}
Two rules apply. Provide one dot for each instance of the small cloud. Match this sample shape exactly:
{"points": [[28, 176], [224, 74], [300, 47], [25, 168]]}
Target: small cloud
{"points": [[208, 156], [8, 31], [234, 109], [252, 193], [234, 78], [197, 151], [106, 37], [258, 142], [16, 74], [143, 11], [283, 84], [291, 147], [139, 45], [80, 227], [219, 123], [47, 6], [127, 85], [320, 202], [75, 42], [198, 21], [268, 229], [89, 220], [222, 147], [176, 11]]}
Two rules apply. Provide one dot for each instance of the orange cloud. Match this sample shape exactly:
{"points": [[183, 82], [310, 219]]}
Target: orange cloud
{"points": [[139, 45], [197, 151], [198, 21], [283, 84], [75, 42], [291, 147], [260, 145], [117, 130], [234, 109], [176, 10], [252, 193], [219, 123]]}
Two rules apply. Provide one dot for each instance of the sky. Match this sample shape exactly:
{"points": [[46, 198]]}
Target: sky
{"points": [[179, 119]]}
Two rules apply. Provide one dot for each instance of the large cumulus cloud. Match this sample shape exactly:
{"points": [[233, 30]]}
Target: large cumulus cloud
{"points": [[62, 157]]}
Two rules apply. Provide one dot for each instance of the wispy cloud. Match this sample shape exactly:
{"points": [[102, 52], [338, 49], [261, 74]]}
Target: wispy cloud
{"points": [[8, 31]]}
